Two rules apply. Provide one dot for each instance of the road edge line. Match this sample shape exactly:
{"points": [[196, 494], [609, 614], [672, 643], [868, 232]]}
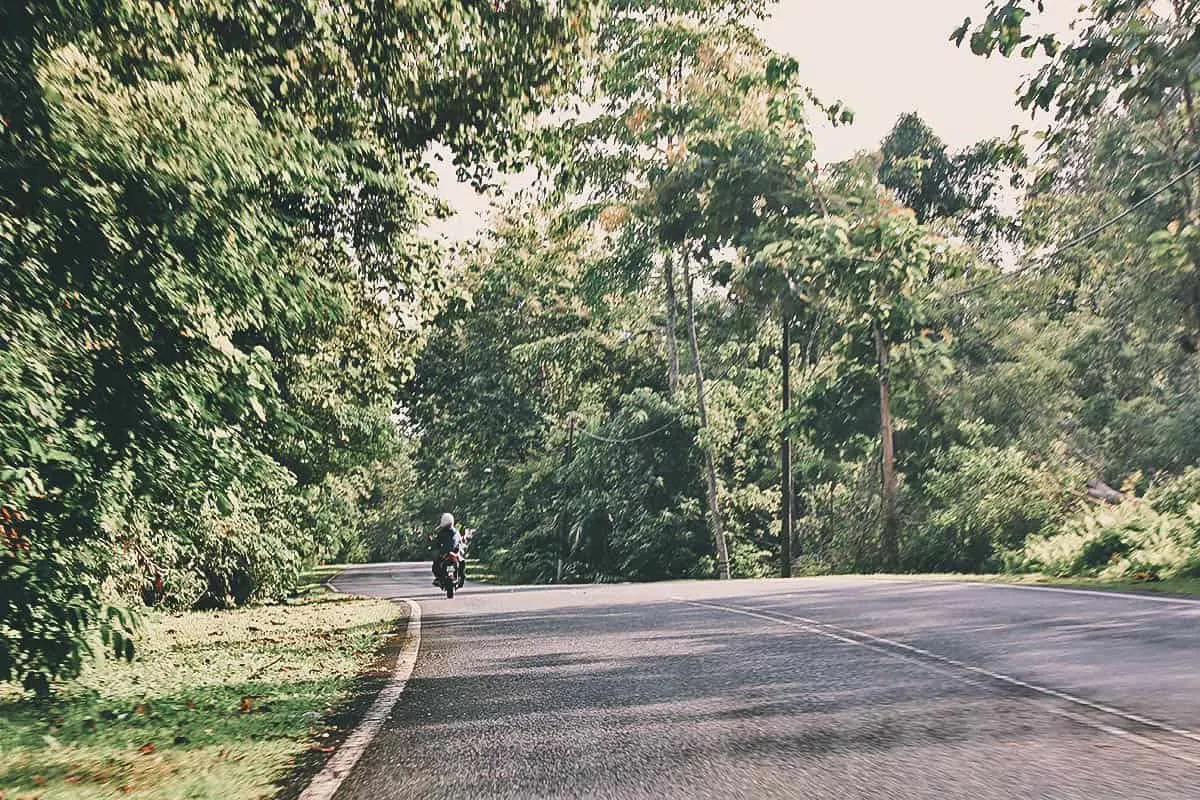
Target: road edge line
{"points": [[1146, 596], [895, 647], [326, 783]]}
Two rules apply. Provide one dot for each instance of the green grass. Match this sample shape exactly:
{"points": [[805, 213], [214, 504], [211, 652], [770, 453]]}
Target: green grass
{"points": [[313, 581], [481, 572], [216, 704]]}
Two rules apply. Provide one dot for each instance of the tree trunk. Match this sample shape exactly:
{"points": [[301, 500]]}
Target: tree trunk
{"points": [[785, 445], [889, 538], [1099, 490], [674, 96], [672, 323], [714, 504]]}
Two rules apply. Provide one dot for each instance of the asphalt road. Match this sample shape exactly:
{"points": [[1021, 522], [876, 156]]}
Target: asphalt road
{"points": [[811, 688]]}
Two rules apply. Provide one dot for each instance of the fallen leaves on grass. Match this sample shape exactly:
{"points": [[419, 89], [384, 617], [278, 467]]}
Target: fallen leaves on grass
{"points": [[197, 706]]}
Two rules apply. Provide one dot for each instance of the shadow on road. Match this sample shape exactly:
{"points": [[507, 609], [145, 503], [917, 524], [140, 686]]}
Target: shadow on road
{"points": [[685, 671]]}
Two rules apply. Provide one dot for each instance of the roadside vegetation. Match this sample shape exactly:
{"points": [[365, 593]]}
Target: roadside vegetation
{"points": [[231, 350], [215, 704], [977, 385]]}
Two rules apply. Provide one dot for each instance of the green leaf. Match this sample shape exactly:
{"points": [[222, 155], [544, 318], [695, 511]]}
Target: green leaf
{"points": [[258, 409], [960, 32]]}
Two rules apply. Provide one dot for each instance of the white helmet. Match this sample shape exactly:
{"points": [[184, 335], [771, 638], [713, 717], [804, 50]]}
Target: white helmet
{"points": [[447, 520]]}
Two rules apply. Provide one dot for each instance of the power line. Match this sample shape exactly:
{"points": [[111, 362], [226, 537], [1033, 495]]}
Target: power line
{"points": [[629, 440], [1078, 240], [619, 441], [725, 373]]}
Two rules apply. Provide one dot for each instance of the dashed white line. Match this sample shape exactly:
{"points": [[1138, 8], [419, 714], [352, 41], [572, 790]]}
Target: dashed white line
{"points": [[746, 613]]}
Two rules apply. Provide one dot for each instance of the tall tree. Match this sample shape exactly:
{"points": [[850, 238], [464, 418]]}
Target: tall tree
{"points": [[653, 57], [1134, 59], [964, 189], [208, 232]]}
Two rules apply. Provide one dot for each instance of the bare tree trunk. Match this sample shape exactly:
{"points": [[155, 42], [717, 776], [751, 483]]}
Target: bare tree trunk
{"points": [[1184, 17], [889, 532], [672, 323], [1193, 127], [785, 444], [714, 504]]}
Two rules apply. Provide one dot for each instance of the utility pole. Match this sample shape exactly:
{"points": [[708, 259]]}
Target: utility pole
{"points": [[785, 443], [889, 535], [563, 522]]}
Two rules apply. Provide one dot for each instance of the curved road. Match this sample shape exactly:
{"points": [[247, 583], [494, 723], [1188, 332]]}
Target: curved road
{"points": [[808, 688]]}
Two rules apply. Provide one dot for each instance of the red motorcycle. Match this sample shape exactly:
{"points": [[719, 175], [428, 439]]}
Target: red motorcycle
{"points": [[451, 576]]}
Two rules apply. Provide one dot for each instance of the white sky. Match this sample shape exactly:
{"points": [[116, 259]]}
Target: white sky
{"points": [[882, 58]]}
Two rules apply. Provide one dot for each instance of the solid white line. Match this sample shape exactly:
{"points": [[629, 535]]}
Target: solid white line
{"points": [[1183, 601], [339, 765], [884, 644], [1166, 750]]}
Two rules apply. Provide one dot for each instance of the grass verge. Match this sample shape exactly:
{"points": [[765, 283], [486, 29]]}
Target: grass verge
{"points": [[481, 572], [216, 704]]}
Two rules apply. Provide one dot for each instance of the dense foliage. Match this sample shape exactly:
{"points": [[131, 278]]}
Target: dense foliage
{"points": [[1028, 325], [213, 282], [229, 351]]}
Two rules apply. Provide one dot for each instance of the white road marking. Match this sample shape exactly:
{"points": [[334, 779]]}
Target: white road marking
{"points": [[885, 645], [747, 613], [1123, 734], [326, 783], [1149, 598]]}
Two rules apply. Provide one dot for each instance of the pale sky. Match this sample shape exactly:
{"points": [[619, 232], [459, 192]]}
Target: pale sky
{"points": [[882, 58]]}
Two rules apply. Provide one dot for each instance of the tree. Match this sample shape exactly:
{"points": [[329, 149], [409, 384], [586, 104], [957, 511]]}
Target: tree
{"points": [[874, 265], [746, 170], [213, 278], [1134, 59], [655, 61], [552, 343], [961, 188]]}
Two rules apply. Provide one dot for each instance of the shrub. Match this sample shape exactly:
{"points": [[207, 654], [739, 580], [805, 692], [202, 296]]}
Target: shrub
{"points": [[1176, 495], [981, 503], [1128, 541]]}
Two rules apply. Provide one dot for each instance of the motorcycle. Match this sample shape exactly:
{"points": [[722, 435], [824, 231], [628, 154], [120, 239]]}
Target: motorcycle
{"points": [[452, 576]]}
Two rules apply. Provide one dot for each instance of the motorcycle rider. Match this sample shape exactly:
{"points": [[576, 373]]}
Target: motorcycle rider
{"points": [[446, 540]]}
